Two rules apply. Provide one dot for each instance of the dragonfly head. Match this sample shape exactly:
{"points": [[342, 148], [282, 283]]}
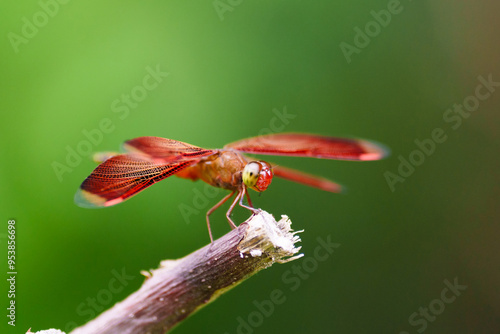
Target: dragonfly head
{"points": [[257, 175]]}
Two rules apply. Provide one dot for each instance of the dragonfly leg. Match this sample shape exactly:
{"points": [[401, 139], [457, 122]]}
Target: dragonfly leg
{"points": [[251, 208], [228, 213], [248, 199], [215, 207]]}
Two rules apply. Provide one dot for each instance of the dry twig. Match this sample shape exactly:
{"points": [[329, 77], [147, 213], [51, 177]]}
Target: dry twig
{"points": [[180, 287]]}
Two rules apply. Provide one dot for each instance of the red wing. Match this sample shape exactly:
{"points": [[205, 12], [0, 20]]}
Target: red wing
{"points": [[166, 150], [306, 145], [123, 176], [307, 179]]}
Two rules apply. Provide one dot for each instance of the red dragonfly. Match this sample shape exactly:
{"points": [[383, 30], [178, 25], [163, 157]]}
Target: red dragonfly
{"points": [[151, 159]]}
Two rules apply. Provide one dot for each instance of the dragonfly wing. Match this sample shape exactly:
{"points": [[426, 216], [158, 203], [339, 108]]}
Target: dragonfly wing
{"points": [[307, 145], [167, 150], [123, 176], [307, 179]]}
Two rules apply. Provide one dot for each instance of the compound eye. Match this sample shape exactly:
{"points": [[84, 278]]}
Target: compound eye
{"points": [[251, 174], [265, 176]]}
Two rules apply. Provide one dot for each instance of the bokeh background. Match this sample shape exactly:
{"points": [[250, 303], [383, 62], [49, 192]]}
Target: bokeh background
{"points": [[233, 67]]}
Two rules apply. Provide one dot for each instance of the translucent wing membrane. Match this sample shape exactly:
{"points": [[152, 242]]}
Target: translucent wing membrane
{"points": [[168, 150], [306, 145], [307, 179], [123, 176]]}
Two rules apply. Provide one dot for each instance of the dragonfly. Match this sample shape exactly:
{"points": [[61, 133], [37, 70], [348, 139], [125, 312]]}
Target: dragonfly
{"points": [[148, 160]]}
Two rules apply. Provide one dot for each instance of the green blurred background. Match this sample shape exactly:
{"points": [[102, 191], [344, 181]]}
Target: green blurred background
{"points": [[233, 67]]}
